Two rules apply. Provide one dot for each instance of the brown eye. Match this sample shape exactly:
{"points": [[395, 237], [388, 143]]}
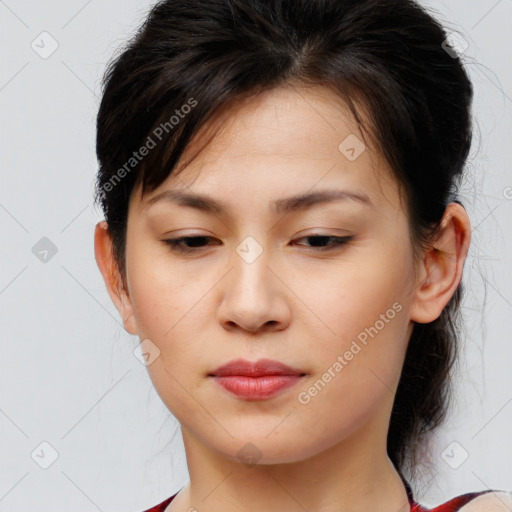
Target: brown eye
{"points": [[195, 242], [321, 241]]}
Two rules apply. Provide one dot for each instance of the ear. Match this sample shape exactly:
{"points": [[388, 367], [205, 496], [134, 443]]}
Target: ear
{"points": [[111, 275], [441, 269]]}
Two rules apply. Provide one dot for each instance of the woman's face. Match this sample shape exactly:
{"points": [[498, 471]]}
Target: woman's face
{"points": [[259, 288]]}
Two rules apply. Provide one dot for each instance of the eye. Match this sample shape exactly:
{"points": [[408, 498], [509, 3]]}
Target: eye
{"points": [[321, 239], [197, 242]]}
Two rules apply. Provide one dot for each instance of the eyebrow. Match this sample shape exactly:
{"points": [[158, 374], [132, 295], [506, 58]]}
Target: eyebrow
{"points": [[285, 205]]}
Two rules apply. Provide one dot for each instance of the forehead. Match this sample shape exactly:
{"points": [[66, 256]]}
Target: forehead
{"points": [[290, 121], [279, 142]]}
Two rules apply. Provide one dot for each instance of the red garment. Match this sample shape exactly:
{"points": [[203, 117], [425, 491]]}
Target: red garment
{"points": [[450, 506]]}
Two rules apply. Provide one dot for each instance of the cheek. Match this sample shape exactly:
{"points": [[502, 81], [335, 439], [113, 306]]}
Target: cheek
{"points": [[357, 370], [360, 292], [167, 306], [159, 294], [163, 307], [363, 312]]}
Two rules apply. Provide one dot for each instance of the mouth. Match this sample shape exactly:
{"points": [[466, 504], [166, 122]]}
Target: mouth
{"points": [[260, 380], [260, 368]]}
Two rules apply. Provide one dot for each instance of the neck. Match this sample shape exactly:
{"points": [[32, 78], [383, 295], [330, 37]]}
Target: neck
{"points": [[355, 475]]}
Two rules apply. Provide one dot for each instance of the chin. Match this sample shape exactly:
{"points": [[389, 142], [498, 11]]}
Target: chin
{"points": [[261, 449]]}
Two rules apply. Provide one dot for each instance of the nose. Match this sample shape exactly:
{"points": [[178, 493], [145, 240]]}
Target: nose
{"points": [[254, 296]]}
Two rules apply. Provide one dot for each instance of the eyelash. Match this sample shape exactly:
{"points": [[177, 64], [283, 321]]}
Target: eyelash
{"points": [[173, 243]]}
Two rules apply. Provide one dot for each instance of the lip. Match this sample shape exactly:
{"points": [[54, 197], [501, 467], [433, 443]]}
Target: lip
{"points": [[260, 368], [260, 380]]}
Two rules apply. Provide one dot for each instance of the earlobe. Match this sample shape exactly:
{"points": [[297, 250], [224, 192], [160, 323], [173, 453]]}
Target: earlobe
{"points": [[111, 276], [442, 266]]}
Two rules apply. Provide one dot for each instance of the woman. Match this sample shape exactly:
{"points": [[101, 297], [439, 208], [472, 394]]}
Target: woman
{"points": [[282, 232]]}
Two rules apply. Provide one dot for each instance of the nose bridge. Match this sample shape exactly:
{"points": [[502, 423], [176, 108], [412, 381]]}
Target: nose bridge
{"points": [[251, 263], [251, 298]]}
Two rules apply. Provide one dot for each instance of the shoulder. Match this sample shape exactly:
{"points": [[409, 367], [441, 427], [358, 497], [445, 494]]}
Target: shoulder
{"points": [[494, 501]]}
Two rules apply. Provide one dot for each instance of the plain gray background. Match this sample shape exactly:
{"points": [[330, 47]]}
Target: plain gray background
{"points": [[68, 375]]}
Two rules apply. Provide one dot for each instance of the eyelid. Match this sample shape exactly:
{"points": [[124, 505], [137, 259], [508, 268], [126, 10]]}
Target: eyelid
{"points": [[173, 243]]}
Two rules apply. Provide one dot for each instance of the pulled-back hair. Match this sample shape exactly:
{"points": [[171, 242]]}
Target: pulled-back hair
{"points": [[386, 59]]}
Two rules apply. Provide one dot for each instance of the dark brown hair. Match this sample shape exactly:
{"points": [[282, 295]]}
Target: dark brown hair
{"points": [[387, 59]]}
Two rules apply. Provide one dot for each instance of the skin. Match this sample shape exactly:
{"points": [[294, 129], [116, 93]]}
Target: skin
{"points": [[295, 303]]}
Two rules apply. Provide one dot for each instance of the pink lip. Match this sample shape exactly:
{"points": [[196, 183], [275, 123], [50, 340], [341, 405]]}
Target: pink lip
{"points": [[255, 381], [260, 368]]}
